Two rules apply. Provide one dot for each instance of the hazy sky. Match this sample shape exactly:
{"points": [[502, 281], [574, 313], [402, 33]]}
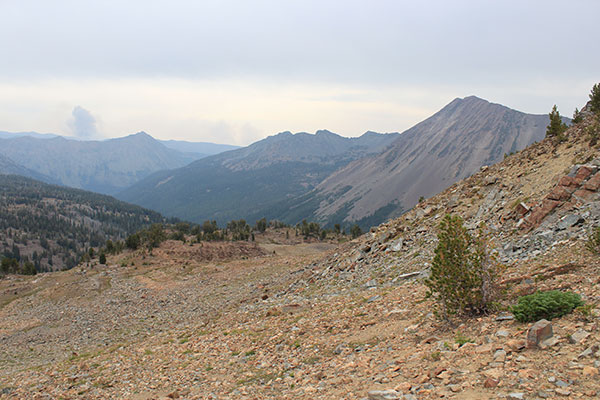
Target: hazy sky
{"points": [[237, 71]]}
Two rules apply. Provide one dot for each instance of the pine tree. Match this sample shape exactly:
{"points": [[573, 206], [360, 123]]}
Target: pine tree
{"points": [[261, 225], [461, 272], [595, 99], [556, 127], [355, 231], [577, 118]]}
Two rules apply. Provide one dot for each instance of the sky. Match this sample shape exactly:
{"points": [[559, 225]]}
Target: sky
{"points": [[237, 71]]}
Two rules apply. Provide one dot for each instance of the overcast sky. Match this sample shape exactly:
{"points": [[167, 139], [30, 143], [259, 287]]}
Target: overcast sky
{"points": [[237, 71]]}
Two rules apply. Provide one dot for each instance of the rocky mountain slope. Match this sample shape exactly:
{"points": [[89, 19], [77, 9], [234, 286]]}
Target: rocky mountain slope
{"points": [[249, 182], [308, 321], [52, 226], [9, 167], [101, 166], [445, 148]]}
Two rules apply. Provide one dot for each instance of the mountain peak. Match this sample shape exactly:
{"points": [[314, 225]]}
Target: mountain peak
{"points": [[465, 103], [369, 133], [325, 132], [466, 100], [372, 134], [474, 98], [141, 134]]}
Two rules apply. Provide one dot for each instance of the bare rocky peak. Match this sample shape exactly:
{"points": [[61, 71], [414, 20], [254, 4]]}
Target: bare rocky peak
{"points": [[449, 146]]}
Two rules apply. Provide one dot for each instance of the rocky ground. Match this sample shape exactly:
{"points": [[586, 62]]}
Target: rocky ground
{"points": [[292, 320]]}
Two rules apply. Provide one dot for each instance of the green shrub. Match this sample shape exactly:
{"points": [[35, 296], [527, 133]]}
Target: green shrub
{"points": [[177, 235], [462, 272], [545, 305], [133, 241]]}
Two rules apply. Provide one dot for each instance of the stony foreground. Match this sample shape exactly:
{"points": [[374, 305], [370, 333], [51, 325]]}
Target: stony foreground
{"points": [[218, 335]]}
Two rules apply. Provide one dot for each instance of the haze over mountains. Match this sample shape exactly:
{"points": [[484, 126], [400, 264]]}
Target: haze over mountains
{"points": [[331, 179], [101, 166], [200, 149]]}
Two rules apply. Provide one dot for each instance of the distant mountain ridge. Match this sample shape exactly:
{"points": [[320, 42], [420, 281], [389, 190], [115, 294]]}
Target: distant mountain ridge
{"points": [[248, 182], [324, 147], [99, 166], [12, 135], [203, 149], [105, 166]]}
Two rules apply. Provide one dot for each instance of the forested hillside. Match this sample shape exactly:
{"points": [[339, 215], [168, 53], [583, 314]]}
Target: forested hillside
{"points": [[52, 227]]}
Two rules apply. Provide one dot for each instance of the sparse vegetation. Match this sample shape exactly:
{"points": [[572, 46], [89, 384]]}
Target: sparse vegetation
{"points": [[239, 230], [593, 133], [461, 339], [545, 305], [309, 229], [210, 231], [585, 311], [462, 271]]}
